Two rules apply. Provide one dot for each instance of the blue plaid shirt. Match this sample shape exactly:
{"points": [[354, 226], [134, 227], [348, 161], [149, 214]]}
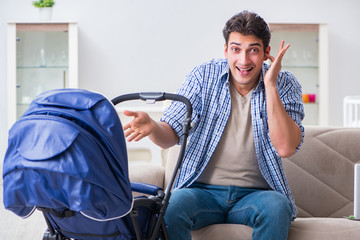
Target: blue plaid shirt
{"points": [[207, 87]]}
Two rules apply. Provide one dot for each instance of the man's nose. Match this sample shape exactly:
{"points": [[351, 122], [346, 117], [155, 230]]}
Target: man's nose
{"points": [[244, 58]]}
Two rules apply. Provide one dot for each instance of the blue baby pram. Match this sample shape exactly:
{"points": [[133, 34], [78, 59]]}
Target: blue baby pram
{"points": [[67, 158]]}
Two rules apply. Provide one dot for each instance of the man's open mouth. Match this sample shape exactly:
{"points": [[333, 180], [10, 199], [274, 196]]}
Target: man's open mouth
{"points": [[244, 70]]}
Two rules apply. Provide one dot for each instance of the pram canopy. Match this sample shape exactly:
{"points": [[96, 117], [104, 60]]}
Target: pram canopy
{"points": [[68, 151]]}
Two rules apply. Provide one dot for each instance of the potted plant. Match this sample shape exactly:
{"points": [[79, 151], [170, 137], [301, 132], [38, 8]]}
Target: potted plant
{"points": [[45, 8]]}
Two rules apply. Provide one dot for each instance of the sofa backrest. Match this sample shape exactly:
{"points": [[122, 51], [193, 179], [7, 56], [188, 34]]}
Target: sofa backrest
{"points": [[320, 174]]}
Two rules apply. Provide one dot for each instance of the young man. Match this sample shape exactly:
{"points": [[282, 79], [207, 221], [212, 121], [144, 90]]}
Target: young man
{"points": [[246, 116]]}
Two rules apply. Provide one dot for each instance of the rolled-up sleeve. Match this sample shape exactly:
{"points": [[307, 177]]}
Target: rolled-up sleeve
{"points": [[290, 93]]}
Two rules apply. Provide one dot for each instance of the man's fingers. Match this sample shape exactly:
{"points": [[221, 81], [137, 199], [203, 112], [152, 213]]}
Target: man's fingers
{"points": [[272, 59], [287, 46], [281, 45], [126, 126], [130, 138], [138, 137], [283, 49], [134, 136], [130, 113], [281, 53], [127, 132]]}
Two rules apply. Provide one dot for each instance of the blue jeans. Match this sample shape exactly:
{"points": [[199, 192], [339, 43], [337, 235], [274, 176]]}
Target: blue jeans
{"points": [[266, 211]]}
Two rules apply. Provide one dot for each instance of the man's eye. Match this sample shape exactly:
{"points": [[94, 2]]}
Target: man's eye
{"points": [[254, 50], [235, 49]]}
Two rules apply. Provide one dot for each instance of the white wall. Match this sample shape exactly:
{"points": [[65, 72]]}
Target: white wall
{"points": [[143, 45]]}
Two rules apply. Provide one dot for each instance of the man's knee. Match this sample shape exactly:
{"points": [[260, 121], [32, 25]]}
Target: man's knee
{"points": [[180, 205], [276, 205]]}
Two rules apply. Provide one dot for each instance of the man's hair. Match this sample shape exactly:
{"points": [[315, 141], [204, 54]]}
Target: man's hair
{"points": [[248, 23]]}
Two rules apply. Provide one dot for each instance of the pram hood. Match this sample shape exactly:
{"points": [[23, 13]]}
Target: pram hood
{"points": [[68, 151]]}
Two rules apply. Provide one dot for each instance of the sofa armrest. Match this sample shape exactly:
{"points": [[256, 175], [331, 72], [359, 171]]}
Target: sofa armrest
{"points": [[147, 173]]}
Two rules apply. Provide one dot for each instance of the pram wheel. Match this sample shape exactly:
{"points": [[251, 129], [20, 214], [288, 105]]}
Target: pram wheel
{"points": [[49, 236]]}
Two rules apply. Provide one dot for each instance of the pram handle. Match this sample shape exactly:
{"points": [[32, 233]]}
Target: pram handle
{"points": [[152, 97]]}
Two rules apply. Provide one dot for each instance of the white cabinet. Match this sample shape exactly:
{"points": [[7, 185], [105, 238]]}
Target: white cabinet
{"points": [[40, 56], [307, 59]]}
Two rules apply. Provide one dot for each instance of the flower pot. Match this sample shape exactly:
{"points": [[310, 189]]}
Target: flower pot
{"points": [[45, 13]]}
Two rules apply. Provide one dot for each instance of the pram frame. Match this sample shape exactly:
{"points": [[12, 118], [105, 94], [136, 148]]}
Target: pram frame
{"points": [[159, 203]]}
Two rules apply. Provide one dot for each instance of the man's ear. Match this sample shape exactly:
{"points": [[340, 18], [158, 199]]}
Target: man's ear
{"points": [[225, 50], [267, 53]]}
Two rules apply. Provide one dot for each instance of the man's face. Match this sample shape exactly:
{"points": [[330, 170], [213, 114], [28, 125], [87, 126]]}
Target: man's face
{"points": [[245, 55]]}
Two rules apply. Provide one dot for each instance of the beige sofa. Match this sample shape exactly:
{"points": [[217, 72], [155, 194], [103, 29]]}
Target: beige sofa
{"points": [[320, 176]]}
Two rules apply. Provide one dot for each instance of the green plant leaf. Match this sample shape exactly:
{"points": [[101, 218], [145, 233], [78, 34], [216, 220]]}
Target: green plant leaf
{"points": [[43, 3]]}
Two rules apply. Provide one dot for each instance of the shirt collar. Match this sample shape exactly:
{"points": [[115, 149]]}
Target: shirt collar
{"points": [[260, 87], [226, 73]]}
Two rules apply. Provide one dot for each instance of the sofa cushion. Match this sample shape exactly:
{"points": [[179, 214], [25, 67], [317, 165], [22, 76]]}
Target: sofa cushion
{"points": [[147, 173], [300, 229], [324, 229], [223, 231]]}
